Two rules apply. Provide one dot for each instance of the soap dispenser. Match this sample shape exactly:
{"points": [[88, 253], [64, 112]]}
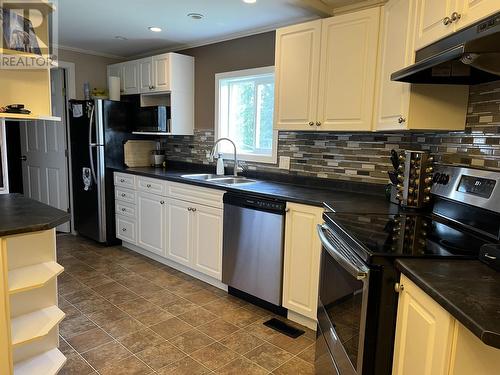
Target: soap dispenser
{"points": [[220, 165]]}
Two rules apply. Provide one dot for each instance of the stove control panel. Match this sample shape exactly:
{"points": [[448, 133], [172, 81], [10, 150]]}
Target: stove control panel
{"points": [[475, 187]]}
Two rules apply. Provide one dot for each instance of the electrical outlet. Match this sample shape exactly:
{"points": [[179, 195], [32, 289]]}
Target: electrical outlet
{"points": [[284, 162]]}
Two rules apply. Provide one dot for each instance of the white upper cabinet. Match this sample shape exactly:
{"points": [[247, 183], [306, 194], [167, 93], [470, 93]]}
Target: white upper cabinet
{"points": [[325, 73], [439, 18], [433, 21], [161, 73], [396, 52], [349, 47], [166, 73], [130, 78], [475, 10], [399, 105], [297, 75], [146, 74]]}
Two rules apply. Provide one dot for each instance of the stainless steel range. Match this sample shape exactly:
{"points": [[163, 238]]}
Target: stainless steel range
{"points": [[357, 300]]}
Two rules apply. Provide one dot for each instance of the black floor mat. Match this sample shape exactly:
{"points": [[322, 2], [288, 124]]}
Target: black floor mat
{"points": [[283, 328]]}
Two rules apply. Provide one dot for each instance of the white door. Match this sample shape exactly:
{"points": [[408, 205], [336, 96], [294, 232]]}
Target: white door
{"points": [[151, 222], [297, 74], [130, 78], [349, 47], [207, 240], [178, 227], [161, 67], [432, 21], [146, 75], [392, 99], [44, 150]]}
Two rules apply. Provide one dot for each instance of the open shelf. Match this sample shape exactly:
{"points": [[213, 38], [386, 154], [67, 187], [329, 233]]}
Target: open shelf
{"points": [[31, 277], [29, 327], [47, 363], [30, 117]]}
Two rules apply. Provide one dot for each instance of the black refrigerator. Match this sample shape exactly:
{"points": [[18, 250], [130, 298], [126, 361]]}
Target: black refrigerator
{"points": [[98, 129]]}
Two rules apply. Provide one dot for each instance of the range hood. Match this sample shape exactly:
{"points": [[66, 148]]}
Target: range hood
{"points": [[467, 57]]}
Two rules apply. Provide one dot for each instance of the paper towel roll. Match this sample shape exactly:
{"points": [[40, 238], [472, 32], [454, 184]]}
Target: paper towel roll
{"points": [[114, 88]]}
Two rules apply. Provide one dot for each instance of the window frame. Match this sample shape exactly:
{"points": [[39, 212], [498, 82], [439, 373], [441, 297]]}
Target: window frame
{"points": [[268, 159]]}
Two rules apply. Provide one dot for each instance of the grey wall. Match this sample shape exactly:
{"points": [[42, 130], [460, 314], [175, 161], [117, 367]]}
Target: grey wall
{"points": [[244, 53]]}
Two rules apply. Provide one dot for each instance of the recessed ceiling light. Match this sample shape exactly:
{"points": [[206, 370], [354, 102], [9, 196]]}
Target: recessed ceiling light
{"points": [[120, 37], [154, 29], [195, 16], [250, 1]]}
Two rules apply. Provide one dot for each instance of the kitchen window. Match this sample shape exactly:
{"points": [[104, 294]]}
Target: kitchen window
{"points": [[244, 108]]}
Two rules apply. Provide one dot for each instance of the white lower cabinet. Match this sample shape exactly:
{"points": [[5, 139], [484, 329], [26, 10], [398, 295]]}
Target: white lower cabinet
{"points": [[207, 240], [151, 220], [179, 224], [302, 259], [186, 229]]}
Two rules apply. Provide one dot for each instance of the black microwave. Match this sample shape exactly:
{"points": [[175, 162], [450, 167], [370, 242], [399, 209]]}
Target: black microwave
{"points": [[154, 119]]}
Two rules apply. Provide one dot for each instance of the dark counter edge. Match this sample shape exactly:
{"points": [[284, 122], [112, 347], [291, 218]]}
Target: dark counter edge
{"points": [[52, 217], [487, 337], [342, 186]]}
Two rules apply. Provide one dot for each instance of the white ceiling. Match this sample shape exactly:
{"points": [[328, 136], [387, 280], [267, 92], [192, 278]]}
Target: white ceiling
{"points": [[93, 24]]}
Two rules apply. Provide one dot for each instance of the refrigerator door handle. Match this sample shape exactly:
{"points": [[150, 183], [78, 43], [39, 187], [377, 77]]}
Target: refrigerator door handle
{"points": [[91, 145]]}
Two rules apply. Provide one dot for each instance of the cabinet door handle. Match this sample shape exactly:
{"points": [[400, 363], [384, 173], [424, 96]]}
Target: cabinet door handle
{"points": [[124, 195], [148, 186], [122, 180], [311, 123], [401, 119], [318, 123], [455, 16], [162, 202], [190, 209], [124, 229], [123, 209], [447, 21], [193, 209], [152, 87], [398, 288]]}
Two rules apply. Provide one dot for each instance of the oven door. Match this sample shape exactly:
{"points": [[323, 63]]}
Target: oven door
{"points": [[343, 298]]}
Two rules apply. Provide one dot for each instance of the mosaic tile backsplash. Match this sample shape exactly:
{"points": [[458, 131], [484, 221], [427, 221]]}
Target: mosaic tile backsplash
{"points": [[364, 157]]}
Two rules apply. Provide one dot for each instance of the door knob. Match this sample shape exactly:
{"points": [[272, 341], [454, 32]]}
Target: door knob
{"points": [[311, 123], [318, 123], [455, 16], [398, 288], [401, 119], [447, 21], [23, 158]]}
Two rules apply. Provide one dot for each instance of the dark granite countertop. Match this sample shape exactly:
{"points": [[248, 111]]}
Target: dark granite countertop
{"points": [[468, 289], [343, 198], [22, 215]]}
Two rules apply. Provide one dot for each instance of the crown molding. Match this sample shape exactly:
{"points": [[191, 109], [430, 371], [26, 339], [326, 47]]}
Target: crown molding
{"points": [[224, 38], [89, 52]]}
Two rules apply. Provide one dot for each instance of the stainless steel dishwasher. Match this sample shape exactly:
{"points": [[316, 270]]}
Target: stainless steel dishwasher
{"points": [[252, 259]]}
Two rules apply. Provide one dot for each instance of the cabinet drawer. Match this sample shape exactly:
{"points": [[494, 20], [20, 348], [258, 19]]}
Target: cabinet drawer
{"points": [[195, 194], [125, 180], [151, 185], [125, 195], [125, 209], [126, 229]]}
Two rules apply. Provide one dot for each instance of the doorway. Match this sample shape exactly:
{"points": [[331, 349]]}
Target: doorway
{"points": [[38, 153]]}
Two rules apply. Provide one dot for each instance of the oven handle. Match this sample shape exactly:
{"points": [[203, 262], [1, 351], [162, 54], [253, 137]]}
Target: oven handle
{"points": [[358, 273]]}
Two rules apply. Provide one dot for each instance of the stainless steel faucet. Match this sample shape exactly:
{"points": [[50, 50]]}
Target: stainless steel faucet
{"points": [[212, 153]]}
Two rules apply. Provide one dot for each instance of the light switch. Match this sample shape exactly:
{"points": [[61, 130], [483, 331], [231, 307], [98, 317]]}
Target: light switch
{"points": [[284, 162]]}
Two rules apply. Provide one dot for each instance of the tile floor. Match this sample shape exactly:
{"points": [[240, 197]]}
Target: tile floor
{"points": [[127, 314]]}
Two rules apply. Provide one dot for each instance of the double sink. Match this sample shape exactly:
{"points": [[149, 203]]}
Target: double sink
{"points": [[217, 179]]}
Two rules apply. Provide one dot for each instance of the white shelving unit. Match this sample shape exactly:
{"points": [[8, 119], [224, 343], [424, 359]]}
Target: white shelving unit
{"points": [[29, 315], [31, 277], [49, 362]]}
